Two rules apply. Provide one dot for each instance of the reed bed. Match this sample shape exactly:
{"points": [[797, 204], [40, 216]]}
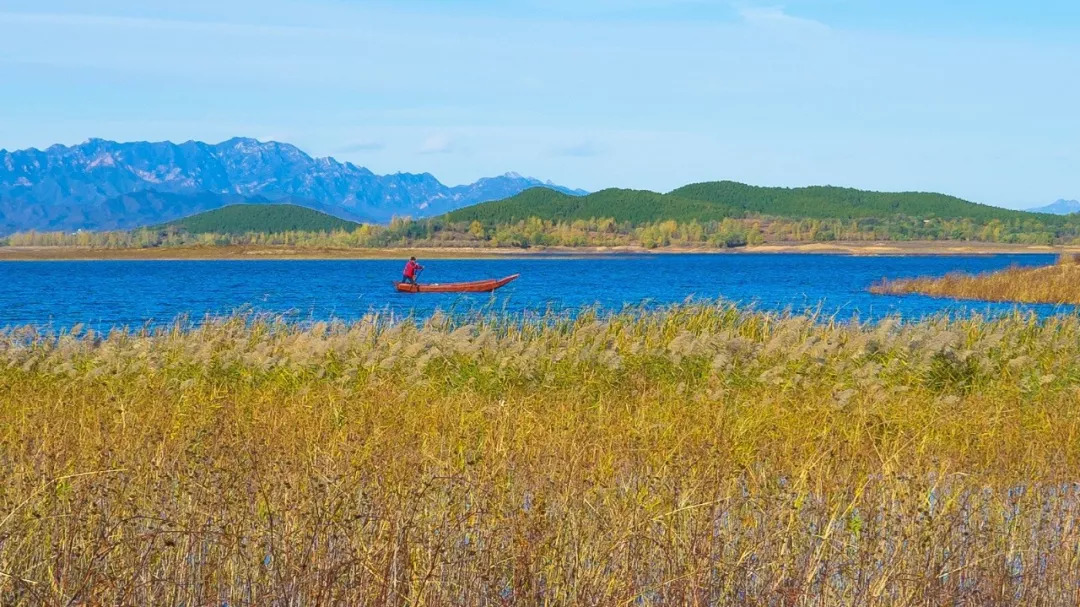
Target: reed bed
{"points": [[1056, 284], [699, 455]]}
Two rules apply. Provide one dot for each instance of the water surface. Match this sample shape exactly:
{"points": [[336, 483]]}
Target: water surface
{"points": [[57, 294]]}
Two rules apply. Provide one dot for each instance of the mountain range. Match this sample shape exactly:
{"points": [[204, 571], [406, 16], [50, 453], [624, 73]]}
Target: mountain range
{"points": [[1061, 207], [106, 185]]}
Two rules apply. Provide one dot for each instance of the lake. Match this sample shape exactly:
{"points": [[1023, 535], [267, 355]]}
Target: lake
{"points": [[101, 294]]}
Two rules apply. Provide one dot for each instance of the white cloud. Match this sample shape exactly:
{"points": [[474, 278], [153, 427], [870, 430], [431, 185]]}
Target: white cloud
{"points": [[437, 144], [775, 16]]}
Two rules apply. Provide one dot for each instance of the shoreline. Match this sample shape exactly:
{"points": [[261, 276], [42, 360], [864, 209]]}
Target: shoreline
{"points": [[874, 249]]}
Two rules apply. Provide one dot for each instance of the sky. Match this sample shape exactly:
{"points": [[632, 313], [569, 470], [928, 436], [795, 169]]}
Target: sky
{"points": [[975, 99]]}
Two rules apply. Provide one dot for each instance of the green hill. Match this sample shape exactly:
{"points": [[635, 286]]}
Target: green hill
{"points": [[717, 200], [827, 202], [634, 206], [261, 218]]}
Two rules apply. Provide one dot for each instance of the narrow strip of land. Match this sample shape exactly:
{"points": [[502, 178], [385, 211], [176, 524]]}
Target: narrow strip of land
{"points": [[1057, 284], [30, 253]]}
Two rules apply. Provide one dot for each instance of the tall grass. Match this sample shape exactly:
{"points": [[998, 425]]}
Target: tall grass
{"points": [[698, 455], [1057, 284]]}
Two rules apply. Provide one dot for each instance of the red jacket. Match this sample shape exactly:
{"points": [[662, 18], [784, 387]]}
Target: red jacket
{"points": [[411, 267]]}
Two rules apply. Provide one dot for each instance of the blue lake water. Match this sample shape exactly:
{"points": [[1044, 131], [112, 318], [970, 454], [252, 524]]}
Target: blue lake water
{"points": [[58, 294]]}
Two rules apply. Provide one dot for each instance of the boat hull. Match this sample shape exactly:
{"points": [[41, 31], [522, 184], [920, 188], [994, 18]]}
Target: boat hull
{"points": [[475, 286]]}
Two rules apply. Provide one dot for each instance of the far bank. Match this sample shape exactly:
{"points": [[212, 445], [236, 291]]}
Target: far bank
{"points": [[880, 248]]}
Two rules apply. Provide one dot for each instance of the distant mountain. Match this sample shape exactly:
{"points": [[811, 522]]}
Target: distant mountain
{"points": [[103, 184], [261, 218], [1061, 207]]}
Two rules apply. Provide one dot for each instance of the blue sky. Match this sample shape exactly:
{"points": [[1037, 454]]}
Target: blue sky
{"points": [[977, 99]]}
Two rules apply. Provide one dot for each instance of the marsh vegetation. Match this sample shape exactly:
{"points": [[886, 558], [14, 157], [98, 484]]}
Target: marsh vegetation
{"points": [[1056, 284], [696, 455]]}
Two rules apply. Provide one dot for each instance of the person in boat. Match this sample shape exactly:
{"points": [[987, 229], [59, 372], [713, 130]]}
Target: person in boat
{"points": [[411, 268]]}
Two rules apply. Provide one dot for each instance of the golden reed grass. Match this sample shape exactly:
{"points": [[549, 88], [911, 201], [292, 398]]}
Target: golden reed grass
{"points": [[1057, 284], [700, 455]]}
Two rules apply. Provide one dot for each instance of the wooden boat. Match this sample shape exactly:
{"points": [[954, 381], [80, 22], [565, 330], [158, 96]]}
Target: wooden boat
{"points": [[475, 286]]}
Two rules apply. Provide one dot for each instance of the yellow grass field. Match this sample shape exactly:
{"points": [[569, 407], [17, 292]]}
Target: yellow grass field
{"points": [[699, 455]]}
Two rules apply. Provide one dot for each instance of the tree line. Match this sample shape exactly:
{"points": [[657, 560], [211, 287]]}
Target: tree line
{"points": [[535, 232]]}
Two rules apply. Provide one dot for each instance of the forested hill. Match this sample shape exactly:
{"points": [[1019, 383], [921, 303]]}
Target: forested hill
{"points": [[261, 218], [827, 202], [633, 206], [714, 201]]}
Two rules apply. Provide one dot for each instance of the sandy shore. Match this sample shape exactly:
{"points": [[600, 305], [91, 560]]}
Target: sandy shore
{"points": [[284, 252]]}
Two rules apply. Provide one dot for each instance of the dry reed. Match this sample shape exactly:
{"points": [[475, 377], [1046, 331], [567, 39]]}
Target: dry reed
{"points": [[698, 455], [1056, 284]]}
